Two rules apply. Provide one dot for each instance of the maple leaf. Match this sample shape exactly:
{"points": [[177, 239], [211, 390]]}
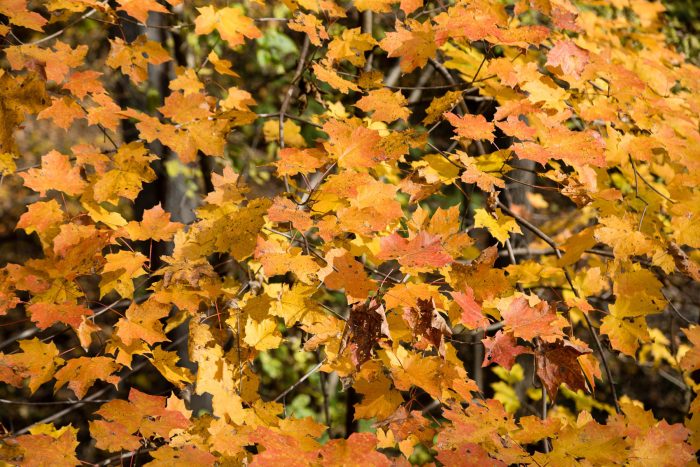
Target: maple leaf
{"points": [[441, 105], [472, 316], [51, 63], [638, 293], [104, 112], [293, 161], [466, 21], [238, 99], [557, 363], [589, 94], [167, 363], [56, 448], [262, 335], [535, 429], [82, 83], [113, 437], [17, 12], [573, 147], [44, 218], [662, 441], [143, 322], [227, 188], [311, 26], [379, 6], [473, 174], [279, 449], [353, 145], [133, 58], [324, 71], [292, 133], [277, 258], [409, 6], [422, 251], [691, 359], [359, 448], [217, 376], [230, 22], [139, 9], [183, 109], [130, 170], [379, 400], [434, 374], [8, 301], [528, 322], [471, 126], [56, 173], [284, 210], [119, 271], [372, 206], [63, 111], [515, 127], [569, 57], [486, 282], [155, 225], [386, 106], [502, 349], [183, 456], [414, 43], [351, 45], [409, 429], [38, 362], [618, 232], [297, 305], [47, 314], [187, 80], [345, 272], [81, 373], [683, 262], [365, 326], [427, 323], [142, 413], [500, 227]]}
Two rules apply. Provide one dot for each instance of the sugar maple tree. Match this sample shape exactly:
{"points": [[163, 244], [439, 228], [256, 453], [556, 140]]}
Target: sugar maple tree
{"points": [[411, 204]]}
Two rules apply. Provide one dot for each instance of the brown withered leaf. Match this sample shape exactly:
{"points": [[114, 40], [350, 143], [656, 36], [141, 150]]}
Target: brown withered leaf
{"points": [[365, 327], [683, 262], [557, 363], [425, 321]]}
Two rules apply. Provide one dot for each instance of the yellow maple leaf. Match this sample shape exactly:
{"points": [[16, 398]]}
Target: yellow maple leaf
{"points": [[262, 335], [230, 22], [292, 133], [500, 227], [120, 270], [386, 106]]}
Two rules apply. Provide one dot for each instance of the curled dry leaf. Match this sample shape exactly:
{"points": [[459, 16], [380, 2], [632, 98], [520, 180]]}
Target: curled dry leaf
{"points": [[557, 363], [365, 327], [427, 323]]}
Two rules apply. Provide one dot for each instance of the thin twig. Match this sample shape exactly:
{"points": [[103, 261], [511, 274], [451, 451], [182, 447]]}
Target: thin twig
{"points": [[676, 311], [86, 15], [637, 174], [290, 93], [291, 117], [10, 402], [301, 380], [545, 441]]}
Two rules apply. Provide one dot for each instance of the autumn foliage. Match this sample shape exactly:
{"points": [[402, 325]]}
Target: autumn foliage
{"points": [[363, 232]]}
